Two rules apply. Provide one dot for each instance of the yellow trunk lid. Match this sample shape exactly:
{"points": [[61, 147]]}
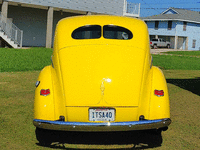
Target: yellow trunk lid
{"points": [[102, 75]]}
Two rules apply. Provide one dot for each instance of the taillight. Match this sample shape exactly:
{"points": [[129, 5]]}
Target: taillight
{"points": [[44, 92], [150, 42], [159, 93]]}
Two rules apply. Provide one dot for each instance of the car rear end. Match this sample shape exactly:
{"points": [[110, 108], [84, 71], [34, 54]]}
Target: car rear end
{"points": [[100, 83]]}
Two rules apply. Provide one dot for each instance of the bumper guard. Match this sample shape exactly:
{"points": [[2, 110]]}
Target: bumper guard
{"points": [[108, 126]]}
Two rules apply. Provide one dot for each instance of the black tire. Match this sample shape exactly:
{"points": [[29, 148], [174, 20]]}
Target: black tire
{"points": [[155, 46], [43, 136], [156, 138], [168, 46], [164, 129], [152, 138]]}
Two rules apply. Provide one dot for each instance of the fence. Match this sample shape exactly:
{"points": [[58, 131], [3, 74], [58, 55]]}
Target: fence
{"points": [[11, 30], [131, 9]]}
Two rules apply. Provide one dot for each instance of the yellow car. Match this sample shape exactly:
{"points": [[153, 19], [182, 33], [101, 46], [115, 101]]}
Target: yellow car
{"points": [[101, 79]]}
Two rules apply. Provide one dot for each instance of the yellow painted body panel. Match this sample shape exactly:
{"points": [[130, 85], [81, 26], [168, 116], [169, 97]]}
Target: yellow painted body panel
{"points": [[44, 105], [159, 106], [84, 71], [82, 112], [101, 73], [66, 26]]}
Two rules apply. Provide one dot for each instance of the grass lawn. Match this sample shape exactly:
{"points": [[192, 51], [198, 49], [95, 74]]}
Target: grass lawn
{"points": [[16, 114], [185, 53], [175, 62], [36, 58], [19, 70], [24, 59]]}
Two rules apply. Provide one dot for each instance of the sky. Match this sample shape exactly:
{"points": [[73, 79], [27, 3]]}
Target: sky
{"points": [[155, 7]]}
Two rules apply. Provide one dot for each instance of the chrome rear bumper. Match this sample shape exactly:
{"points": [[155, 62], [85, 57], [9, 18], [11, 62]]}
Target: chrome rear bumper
{"points": [[108, 126]]}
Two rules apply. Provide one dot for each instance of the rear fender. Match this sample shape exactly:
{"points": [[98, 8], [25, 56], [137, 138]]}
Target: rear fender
{"points": [[159, 105], [44, 105]]}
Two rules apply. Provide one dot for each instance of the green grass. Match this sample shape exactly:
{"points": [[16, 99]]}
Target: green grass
{"points": [[16, 110], [18, 132], [184, 53], [174, 62], [17, 96], [24, 59], [36, 58]]}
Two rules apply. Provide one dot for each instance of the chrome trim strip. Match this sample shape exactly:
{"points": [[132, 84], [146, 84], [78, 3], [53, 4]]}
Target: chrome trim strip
{"points": [[108, 126]]}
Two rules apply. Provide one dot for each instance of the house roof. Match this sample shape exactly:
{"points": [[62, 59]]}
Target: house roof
{"points": [[176, 14]]}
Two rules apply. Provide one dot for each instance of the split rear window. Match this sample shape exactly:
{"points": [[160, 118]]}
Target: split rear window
{"points": [[95, 32], [87, 32]]}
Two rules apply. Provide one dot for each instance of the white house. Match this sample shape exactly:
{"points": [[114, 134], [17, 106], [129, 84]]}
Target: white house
{"points": [[32, 22], [179, 26]]}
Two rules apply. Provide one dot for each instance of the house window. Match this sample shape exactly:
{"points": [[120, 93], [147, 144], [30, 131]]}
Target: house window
{"points": [[169, 25], [184, 26], [193, 43], [156, 25]]}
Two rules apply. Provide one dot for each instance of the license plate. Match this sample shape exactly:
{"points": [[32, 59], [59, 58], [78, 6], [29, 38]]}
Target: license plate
{"points": [[101, 114]]}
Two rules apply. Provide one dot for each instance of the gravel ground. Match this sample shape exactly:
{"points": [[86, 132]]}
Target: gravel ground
{"points": [[157, 51]]}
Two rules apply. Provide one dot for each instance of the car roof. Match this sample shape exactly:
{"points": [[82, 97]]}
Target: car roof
{"points": [[66, 26]]}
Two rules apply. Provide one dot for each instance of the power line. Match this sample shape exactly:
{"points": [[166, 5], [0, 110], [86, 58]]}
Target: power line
{"points": [[149, 6], [171, 3], [168, 8]]}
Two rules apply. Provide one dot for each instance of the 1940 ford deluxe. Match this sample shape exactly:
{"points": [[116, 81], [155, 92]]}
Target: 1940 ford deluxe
{"points": [[101, 78]]}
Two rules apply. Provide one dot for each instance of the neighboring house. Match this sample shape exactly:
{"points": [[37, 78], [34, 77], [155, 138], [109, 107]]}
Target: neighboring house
{"points": [[179, 26], [38, 18]]}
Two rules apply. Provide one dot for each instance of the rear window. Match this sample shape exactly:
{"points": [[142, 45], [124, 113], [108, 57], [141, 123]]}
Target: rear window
{"points": [[109, 32], [87, 32], [116, 32], [155, 40]]}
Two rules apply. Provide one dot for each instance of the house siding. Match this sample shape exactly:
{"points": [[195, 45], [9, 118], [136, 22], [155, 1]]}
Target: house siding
{"points": [[185, 28], [34, 23], [30, 16], [162, 28], [192, 33], [114, 7]]}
